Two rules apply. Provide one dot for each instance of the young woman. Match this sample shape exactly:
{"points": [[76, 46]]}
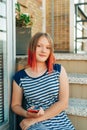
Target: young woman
{"points": [[45, 87]]}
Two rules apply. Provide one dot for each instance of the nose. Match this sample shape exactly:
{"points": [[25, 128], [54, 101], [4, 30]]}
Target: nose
{"points": [[43, 49]]}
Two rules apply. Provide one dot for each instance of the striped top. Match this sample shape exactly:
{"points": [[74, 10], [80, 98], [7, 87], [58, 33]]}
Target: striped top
{"points": [[43, 91]]}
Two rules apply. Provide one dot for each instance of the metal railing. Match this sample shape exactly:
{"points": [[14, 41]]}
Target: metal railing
{"points": [[80, 26]]}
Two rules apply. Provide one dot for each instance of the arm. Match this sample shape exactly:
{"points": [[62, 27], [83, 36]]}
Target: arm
{"points": [[16, 104], [57, 107], [62, 104]]}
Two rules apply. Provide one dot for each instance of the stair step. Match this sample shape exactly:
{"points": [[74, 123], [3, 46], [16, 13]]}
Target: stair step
{"points": [[73, 63], [71, 56], [77, 78], [77, 107], [78, 85]]}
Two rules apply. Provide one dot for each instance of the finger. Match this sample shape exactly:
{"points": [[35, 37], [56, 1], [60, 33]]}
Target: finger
{"points": [[41, 108], [41, 111], [21, 125], [25, 128], [32, 107]]}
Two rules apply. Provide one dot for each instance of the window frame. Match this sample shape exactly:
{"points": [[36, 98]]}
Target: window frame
{"points": [[11, 58]]}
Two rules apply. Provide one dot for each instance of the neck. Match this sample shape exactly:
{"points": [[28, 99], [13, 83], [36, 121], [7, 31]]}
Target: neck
{"points": [[39, 70], [40, 67]]}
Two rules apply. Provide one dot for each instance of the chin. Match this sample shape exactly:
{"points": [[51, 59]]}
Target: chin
{"points": [[42, 60]]}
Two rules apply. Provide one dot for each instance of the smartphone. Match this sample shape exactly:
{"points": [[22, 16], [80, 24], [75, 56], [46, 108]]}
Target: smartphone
{"points": [[33, 110]]}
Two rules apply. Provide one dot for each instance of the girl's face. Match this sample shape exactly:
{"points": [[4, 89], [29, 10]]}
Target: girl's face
{"points": [[43, 49]]}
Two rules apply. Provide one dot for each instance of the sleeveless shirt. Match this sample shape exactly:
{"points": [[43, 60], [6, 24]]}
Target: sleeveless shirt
{"points": [[43, 91]]}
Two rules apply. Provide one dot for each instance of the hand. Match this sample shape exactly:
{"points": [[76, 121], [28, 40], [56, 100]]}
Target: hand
{"points": [[31, 113], [41, 112], [26, 123]]}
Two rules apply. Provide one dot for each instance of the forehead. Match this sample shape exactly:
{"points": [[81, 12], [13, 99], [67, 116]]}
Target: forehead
{"points": [[43, 40]]}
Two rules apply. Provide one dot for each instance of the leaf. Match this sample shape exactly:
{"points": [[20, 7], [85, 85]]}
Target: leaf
{"points": [[17, 7]]}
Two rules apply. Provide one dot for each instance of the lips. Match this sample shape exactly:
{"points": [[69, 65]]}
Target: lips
{"points": [[42, 55]]}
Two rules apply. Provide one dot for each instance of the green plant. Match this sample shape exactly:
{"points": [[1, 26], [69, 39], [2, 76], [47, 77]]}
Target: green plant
{"points": [[22, 19]]}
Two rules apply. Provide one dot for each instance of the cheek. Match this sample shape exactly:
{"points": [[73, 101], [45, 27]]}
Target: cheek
{"points": [[49, 51], [38, 49]]}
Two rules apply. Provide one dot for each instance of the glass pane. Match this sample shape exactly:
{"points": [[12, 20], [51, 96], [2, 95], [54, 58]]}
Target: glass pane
{"points": [[1, 84], [2, 9], [3, 65], [3, 79], [2, 24], [2, 36], [2, 0]]}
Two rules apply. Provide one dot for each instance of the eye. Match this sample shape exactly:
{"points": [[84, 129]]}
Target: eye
{"points": [[38, 45], [48, 47]]}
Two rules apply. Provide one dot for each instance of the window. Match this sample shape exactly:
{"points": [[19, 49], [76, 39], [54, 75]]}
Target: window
{"points": [[7, 60], [81, 28], [3, 65]]}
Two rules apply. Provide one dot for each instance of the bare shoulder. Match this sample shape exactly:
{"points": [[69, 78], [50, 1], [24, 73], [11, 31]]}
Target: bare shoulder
{"points": [[63, 73], [63, 70]]}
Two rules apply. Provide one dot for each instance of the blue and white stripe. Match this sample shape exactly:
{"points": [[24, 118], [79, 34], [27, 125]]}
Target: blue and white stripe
{"points": [[43, 91]]}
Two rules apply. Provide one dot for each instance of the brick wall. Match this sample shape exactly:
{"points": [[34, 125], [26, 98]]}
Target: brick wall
{"points": [[61, 23], [61, 20], [48, 16], [33, 7]]}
